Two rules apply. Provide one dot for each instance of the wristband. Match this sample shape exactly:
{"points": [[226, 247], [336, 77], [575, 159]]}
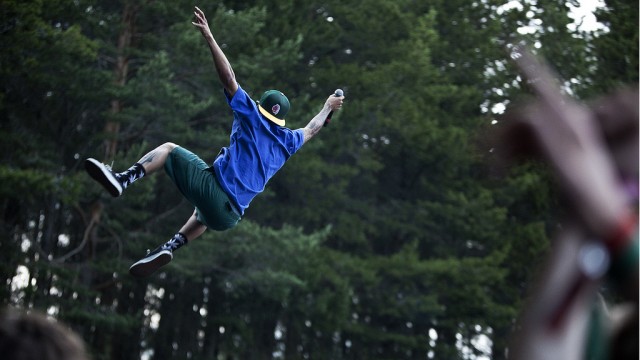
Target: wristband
{"points": [[622, 236]]}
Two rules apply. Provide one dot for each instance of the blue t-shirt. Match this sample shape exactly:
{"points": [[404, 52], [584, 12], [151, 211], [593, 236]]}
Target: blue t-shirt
{"points": [[257, 150]]}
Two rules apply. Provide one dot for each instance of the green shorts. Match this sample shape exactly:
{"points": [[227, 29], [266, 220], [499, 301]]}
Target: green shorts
{"points": [[198, 183]]}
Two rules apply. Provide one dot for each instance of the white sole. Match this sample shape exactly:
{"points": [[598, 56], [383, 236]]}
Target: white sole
{"points": [[103, 176], [150, 264]]}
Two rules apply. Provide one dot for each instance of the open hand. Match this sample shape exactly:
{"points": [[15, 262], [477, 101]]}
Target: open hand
{"points": [[201, 22], [570, 139]]}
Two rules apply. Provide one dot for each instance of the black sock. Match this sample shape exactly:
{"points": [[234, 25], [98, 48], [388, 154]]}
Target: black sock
{"points": [[176, 242], [132, 174]]}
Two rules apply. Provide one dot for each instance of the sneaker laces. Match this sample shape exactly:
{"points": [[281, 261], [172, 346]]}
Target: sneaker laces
{"points": [[115, 174], [124, 180], [110, 168]]}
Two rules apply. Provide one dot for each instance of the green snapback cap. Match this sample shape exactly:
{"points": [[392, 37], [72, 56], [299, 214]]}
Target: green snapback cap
{"points": [[274, 105]]}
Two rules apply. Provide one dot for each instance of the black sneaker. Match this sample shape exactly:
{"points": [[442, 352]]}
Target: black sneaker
{"points": [[104, 175], [152, 262]]}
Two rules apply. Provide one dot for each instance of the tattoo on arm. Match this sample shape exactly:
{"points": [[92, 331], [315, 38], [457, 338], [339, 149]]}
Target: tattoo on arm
{"points": [[315, 125], [148, 158], [312, 129]]}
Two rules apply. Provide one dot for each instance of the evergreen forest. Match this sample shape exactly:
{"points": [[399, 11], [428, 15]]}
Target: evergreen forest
{"points": [[392, 234]]}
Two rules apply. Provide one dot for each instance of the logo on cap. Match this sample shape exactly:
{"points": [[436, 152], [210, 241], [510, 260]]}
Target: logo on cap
{"points": [[274, 106]]}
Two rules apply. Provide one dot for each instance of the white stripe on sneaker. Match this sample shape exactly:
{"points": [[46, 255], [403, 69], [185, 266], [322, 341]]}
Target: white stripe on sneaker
{"points": [[103, 175], [150, 263]]}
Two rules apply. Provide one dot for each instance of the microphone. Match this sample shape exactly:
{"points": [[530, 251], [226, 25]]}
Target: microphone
{"points": [[338, 93]]}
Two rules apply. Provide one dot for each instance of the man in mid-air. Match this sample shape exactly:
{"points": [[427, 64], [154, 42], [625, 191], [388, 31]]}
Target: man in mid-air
{"points": [[259, 146]]}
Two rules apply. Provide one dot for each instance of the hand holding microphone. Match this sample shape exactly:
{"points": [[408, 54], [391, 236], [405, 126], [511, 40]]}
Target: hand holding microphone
{"points": [[338, 93]]}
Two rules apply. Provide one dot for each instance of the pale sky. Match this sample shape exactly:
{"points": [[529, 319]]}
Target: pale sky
{"points": [[582, 14], [585, 13]]}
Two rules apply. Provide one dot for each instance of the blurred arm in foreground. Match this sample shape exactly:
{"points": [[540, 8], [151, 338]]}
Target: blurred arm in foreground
{"points": [[593, 152]]}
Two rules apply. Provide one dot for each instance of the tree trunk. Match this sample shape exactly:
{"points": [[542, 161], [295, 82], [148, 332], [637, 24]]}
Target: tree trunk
{"points": [[121, 71]]}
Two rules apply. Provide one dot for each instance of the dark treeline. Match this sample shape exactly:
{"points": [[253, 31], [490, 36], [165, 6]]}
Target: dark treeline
{"points": [[388, 236]]}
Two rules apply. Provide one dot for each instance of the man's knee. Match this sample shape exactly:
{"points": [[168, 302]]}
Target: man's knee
{"points": [[169, 146]]}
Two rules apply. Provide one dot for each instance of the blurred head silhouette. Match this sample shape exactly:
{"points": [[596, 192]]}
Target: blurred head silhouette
{"points": [[32, 336]]}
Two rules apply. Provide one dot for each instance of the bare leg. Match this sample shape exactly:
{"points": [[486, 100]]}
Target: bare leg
{"points": [[154, 160], [193, 228], [116, 183], [163, 254]]}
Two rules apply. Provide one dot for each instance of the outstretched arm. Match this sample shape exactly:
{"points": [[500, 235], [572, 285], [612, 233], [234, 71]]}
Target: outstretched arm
{"points": [[223, 67], [572, 142], [315, 125]]}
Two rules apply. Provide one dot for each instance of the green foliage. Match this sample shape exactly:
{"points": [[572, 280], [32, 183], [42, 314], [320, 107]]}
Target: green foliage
{"points": [[616, 50], [254, 258], [385, 230]]}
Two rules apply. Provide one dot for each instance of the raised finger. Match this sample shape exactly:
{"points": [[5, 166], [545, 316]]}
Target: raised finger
{"points": [[199, 17]]}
